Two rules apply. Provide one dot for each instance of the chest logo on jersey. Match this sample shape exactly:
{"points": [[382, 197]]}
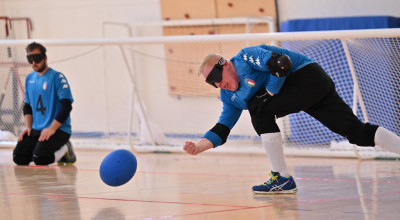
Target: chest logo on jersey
{"points": [[251, 83], [44, 85]]}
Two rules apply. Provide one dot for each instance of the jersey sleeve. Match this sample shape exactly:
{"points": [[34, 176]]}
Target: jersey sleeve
{"points": [[275, 83], [63, 88], [256, 57], [276, 49], [298, 60], [229, 117]]}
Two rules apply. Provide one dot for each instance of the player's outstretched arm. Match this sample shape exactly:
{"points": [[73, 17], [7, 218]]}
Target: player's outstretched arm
{"points": [[194, 149]]}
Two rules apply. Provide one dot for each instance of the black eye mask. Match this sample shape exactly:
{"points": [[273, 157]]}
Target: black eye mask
{"points": [[35, 57], [216, 73]]}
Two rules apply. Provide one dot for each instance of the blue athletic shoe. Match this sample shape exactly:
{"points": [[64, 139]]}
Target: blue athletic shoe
{"points": [[276, 185]]}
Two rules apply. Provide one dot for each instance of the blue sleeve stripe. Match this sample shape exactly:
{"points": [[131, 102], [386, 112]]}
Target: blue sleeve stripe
{"points": [[213, 137]]}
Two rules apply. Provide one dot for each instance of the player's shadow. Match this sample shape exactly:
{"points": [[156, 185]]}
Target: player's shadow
{"points": [[52, 190]]}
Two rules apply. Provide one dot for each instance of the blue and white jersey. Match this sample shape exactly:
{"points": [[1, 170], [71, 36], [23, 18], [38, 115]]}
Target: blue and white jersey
{"points": [[44, 93], [254, 74]]}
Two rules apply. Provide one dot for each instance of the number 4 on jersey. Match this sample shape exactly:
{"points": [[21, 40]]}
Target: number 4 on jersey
{"points": [[39, 105]]}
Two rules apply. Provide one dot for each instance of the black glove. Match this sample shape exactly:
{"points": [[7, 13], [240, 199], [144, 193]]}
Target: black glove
{"points": [[262, 96], [258, 102], [279, 64]]}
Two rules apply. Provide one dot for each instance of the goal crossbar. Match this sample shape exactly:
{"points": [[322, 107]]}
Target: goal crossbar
{"points": [[281, 36]]}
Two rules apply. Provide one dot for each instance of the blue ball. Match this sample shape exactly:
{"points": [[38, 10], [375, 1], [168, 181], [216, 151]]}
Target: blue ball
{"points": [[118, 167]]}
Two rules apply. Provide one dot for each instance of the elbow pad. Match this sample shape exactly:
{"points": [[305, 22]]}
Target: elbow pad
{"points": [[279, 64], [222, 131], [27, 109], [65, 109]]}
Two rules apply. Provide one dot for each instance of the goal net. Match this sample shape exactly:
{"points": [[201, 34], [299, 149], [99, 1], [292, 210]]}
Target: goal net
{"points": [[145, 92]]}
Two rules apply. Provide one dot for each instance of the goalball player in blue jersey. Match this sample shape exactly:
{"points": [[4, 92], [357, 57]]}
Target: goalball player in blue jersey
{"points": [[272, 82], [48, 103]]}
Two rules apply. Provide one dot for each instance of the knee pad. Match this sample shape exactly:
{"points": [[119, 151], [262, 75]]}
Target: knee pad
{"points": [[265, 126], [263, 120], [21, 160], [363, 136], [43, 160]]}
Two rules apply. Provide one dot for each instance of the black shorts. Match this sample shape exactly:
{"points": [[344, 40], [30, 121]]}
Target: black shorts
{"points": [[312, 90]]}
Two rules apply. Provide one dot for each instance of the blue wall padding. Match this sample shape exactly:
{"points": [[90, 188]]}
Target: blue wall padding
{"points": [[342, 23]]}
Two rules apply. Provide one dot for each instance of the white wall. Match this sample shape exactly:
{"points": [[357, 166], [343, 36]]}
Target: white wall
{"points": [[299, 9], [84, 18], [79, 18]]}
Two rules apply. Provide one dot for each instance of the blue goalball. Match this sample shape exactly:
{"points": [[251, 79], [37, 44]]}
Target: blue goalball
{"points": [[118, 167]]}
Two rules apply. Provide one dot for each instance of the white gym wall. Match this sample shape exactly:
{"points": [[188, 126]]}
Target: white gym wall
{"points": [[83, 19]]}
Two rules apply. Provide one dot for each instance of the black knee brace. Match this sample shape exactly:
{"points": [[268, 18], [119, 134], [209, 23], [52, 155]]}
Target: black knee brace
{"points": [[262, 118], [43, 160], [21, 160], [364, 136]]}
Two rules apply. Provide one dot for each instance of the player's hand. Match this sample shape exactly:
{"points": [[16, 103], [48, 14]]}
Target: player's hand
{"points": [[193, 149], [263, 95], [25, 131], [258, 102], [46, 134]]}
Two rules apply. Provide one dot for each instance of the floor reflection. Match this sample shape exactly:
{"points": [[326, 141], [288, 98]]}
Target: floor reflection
{"points": [[109, 213], [52, 191]]}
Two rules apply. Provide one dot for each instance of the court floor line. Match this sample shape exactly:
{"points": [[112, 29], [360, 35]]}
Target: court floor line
{"points": [[274, 205], [112, 199], [202, 204]]}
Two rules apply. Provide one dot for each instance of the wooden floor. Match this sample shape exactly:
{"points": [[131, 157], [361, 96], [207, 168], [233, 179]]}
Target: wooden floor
{"points": [[208, 186]]}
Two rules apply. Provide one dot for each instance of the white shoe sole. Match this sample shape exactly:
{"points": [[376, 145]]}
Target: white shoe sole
{"points": [[292, 191]]}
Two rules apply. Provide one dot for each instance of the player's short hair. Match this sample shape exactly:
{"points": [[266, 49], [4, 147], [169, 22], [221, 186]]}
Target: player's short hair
{"points": [[209, 60], [34, 45]]}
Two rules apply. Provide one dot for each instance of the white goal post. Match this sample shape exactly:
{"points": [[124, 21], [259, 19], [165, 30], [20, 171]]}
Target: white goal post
{"points": [[124, 86]]}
